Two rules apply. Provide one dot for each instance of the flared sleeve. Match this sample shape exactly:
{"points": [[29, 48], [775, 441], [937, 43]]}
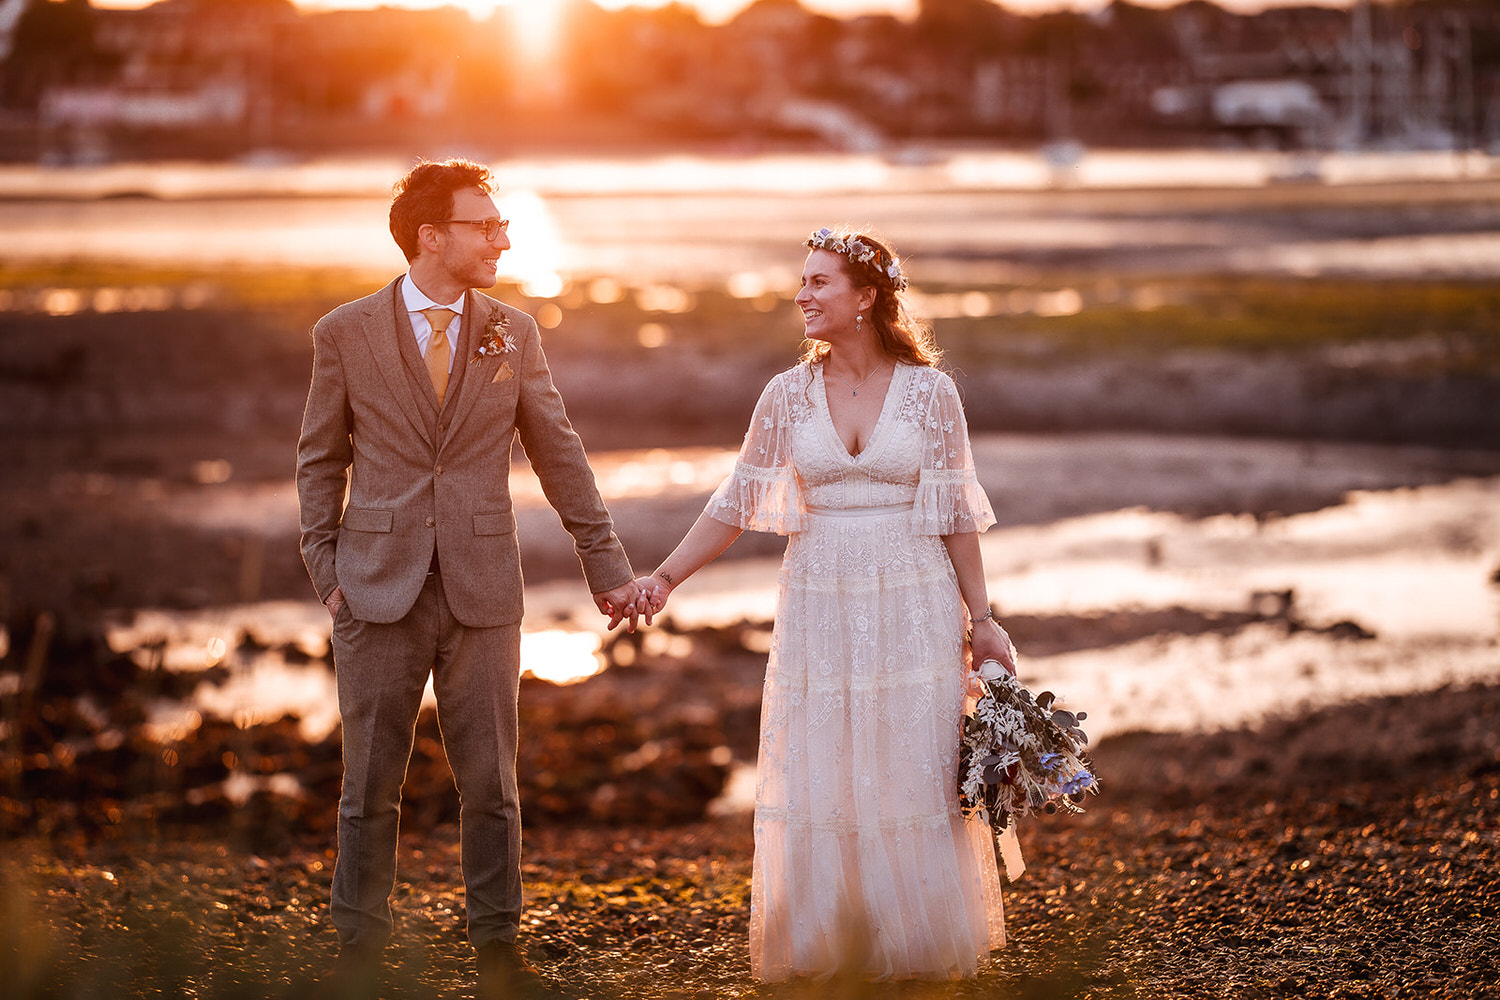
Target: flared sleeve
{"points": [[762, 493], [949, 499]]}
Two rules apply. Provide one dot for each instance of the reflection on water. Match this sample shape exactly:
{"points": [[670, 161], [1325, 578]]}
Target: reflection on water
{"points": [[698, 220], [532, 227], [561, 657], [774, 173], [1409, 564], [1416, 568], [262, 662]]}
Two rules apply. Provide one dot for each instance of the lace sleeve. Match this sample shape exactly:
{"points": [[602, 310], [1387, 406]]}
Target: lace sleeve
{"points": [[762, 493], [949, 498]]}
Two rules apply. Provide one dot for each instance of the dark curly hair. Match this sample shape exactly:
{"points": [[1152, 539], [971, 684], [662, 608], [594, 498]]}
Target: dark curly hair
{"points": [[426, 193]]}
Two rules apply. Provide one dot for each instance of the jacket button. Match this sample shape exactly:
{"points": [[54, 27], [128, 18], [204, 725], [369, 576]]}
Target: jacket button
{"points": [[431, 521], [438, 471]]}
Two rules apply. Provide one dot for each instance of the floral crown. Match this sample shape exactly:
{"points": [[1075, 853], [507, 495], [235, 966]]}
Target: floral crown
{"points": [[859, 253]]}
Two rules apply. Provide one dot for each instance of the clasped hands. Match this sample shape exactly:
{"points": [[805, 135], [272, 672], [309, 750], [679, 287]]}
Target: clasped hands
{"points": [[630, 602]]}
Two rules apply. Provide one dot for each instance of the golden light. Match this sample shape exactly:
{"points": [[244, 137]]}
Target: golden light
{"points": [[719, 11], [537, 25], [537, 262], [543, 15], [561, 657], [533, 26]]}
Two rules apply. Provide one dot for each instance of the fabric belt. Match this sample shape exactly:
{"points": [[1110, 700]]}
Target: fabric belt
{"points": [[897, 508]]}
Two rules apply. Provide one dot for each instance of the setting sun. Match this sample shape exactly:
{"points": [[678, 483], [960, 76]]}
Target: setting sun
{"points": [[539, 17], [537, 21]]}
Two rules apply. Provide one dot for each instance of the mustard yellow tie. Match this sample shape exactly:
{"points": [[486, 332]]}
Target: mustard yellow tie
{"points": [[437, 349]]}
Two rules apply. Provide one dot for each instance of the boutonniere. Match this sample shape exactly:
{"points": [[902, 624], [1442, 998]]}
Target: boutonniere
{"points": [[497, 339]]}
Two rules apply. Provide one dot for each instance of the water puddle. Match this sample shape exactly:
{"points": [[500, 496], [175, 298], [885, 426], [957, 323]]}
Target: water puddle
{"points": [[1414, 568], [263, 662]]}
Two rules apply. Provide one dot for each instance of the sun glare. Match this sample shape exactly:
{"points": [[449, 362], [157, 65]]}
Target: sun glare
{"points": [[532, 228], [535, 22]]}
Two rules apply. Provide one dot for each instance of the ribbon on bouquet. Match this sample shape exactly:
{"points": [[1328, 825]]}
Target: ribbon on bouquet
{"points": [[1009, 848]]}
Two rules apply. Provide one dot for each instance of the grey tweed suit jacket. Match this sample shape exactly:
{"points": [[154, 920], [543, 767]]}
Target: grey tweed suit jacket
{"points": [[420, 480]]}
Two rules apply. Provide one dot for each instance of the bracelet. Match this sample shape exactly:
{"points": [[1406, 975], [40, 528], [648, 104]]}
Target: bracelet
{"points": [[988, 614]]}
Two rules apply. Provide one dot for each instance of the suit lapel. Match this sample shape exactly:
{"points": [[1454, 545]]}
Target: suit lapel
{"points": [[384, 332]]}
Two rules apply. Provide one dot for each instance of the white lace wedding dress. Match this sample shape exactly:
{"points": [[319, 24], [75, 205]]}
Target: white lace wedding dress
{"points": [[863, 861]]}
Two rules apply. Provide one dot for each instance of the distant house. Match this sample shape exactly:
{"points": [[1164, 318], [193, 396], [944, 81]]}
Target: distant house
{"points": [[213, 103], [1286, 108], [10, 13], [833, 123]]}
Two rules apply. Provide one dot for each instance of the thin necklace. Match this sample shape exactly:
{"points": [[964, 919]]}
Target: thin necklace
{"points": [[853, 386]]}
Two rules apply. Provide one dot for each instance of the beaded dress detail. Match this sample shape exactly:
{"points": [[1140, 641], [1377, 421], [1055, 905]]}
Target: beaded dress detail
{"points": [[863, 861]]}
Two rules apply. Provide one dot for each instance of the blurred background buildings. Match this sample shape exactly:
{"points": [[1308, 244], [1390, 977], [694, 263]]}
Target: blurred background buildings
{"points": [[215, 78]]}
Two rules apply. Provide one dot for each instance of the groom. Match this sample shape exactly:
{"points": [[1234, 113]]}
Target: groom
{"points": [[417, 394]]}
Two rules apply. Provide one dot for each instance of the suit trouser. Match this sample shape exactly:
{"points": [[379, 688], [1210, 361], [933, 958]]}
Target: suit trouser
{"points": [[382, 671]]}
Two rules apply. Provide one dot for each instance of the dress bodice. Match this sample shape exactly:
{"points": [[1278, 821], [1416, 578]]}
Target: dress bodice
{"points": [[885, 473], [918, 454]]}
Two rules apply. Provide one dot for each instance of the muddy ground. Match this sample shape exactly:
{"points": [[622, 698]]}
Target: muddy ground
{"points": [[1347, 852]]}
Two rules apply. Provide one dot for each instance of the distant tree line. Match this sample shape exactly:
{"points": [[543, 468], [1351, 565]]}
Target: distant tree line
{"points": [[962, 69]]}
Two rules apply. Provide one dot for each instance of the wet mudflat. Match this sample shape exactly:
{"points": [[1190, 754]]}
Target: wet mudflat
{"points": [[1348, 854], [1296, 685], [1345, 852]]}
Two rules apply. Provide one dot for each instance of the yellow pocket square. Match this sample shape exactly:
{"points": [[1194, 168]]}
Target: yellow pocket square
{"points": [[504, 374]]}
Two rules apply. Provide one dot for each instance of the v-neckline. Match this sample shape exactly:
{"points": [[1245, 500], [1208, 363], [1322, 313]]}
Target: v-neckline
{"points": [[880, 420]]}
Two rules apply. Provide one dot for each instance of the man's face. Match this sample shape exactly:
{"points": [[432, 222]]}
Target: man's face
{"points": [[463, 253]]}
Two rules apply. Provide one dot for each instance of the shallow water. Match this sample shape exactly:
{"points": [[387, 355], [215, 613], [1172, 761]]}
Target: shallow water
{"points": [[1413, 566], [725, 220]]}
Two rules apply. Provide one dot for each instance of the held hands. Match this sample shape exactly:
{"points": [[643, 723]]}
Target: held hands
{"points": [[655, 591], [644, 597], [624, 601]]}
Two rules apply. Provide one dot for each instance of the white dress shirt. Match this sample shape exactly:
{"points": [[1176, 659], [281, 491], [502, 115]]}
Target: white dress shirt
{"points": [[416, 302]]}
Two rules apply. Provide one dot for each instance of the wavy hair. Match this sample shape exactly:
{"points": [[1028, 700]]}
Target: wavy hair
{"points": [[426, 193], [901, 335]]}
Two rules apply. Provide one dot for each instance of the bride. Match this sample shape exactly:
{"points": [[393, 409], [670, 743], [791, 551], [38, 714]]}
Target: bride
{"points": [[864, 864]]}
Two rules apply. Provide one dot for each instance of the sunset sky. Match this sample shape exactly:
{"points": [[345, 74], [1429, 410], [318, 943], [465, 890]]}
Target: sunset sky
{"points": [[540, 12]]}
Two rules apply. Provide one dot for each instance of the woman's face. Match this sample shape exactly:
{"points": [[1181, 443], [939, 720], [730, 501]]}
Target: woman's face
{"points": [[828, 299]]}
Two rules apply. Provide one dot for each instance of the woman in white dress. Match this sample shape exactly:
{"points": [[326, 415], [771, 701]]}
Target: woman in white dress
{"points": [[864, 864]]}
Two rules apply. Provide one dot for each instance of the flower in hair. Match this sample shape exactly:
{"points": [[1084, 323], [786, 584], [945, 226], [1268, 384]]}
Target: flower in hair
{"points": [[858, 252]]}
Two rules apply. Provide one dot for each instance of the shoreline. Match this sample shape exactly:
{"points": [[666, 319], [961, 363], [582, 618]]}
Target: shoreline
{"points": [[85, 541], [1149, 621], [947, 165]]}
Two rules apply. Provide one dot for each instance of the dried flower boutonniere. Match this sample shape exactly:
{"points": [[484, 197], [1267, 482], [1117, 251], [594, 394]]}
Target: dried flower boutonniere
{"points": [[497, 339]]}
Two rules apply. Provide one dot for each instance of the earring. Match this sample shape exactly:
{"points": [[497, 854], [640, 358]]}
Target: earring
{"points": [[859, 322]]}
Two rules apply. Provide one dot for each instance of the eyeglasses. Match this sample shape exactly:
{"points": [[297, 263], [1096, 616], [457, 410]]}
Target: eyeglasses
{"points": [[492, 227]]}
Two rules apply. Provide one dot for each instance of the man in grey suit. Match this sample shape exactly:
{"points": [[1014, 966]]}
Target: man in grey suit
{"points": [[417, 394]]}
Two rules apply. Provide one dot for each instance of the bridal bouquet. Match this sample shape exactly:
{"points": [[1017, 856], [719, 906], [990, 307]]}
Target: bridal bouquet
{"points": [[1019, 755]]}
